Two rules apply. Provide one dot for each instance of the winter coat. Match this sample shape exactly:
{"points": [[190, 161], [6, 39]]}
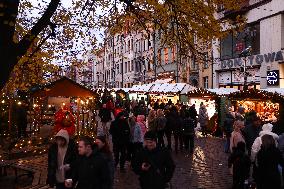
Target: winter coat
{"points": [[174, 123], [267, 172], [250, 133], [152, 125], [141, 123], [120, 131], [92, 172], [203, 116], [257, 143], [105, 115], [281, 144], [228, 123], [69, 158], [110, 163], [236, 137], [161, 123], [192, 112], [188, 126], [161, 168], [241, 166]]}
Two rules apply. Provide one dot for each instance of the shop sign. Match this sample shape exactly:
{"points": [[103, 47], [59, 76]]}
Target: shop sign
{"points": [[253, 60], [272, 78]]}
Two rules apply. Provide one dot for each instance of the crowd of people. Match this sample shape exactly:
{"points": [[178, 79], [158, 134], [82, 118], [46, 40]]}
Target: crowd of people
{"points": [[142, 135], [256, 151]]}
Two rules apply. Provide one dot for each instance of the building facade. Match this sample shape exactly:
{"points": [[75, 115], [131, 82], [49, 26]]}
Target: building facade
{"points": [[255, 53], [127, 59]]}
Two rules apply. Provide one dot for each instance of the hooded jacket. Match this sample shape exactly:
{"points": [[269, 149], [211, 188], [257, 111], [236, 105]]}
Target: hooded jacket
{"points": [[59, 156], [266, 130]]}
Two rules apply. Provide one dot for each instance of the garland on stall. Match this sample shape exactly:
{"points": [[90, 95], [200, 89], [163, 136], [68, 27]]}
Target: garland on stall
{"points": [[257, 94]]}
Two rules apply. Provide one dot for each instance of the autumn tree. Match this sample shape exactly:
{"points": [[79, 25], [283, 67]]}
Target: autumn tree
{"points": [[179, 21]]}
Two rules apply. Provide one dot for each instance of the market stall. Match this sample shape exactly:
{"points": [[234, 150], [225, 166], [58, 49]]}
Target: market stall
{"points": [[166, 91], [139, 92], [267, 104], [72, 102]]}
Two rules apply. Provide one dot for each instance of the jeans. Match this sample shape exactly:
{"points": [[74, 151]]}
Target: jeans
{"points": [[189, 142], [119, 151]]}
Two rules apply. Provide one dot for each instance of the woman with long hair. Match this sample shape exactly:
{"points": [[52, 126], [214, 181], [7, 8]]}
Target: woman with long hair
{"points": [[152, 121], [236, 135], [103, 147], [267, 161]]}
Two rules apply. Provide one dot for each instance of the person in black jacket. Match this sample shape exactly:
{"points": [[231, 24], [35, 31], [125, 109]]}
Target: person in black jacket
{"points": [[61, 157], [188, 132], [91, 169], [120, 131], [105, 116], [240, 162], [154, 165], [268, 159]]}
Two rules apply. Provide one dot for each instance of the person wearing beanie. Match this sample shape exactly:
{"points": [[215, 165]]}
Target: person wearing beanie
{"points": [[120, 132], [266, 130], [153, 165], [61, 158]]}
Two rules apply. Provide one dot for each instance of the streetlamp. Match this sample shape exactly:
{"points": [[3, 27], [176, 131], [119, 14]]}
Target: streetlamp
{"points": [[245, 53]]}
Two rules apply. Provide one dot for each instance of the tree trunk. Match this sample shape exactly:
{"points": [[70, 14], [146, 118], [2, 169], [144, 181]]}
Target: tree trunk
{"points": [[10, 52]]}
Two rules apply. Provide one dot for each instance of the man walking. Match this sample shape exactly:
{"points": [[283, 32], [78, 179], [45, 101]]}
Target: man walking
{"points": [[91, 169], [120, 132], [154, 165]]}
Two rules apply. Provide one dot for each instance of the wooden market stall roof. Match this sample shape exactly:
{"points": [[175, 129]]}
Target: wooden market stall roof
{"points": [[63, 87], [257, 95]]}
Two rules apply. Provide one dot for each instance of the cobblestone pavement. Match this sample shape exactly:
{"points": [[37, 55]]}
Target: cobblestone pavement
{"points": [[205, 169]]}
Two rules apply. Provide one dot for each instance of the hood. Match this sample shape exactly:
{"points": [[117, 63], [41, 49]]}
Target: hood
{"points": [[63, 133], [275, 136], [140, 118], [267, 127]]}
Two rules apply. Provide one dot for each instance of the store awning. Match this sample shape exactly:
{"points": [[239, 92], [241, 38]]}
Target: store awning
{"points": [[167, 88], [187, 88], [280, 91], [257, 94], [122, 89], [141, 88], [223, 91], [63, 87]]}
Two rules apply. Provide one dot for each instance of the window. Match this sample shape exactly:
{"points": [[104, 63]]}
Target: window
{"points": [[166, 56], [131, 45], [233, 45], [205, 82], [144, 45], [129, 66], [132, 65], [205, 61], [125, 67], [121, 68], [173, 53]]}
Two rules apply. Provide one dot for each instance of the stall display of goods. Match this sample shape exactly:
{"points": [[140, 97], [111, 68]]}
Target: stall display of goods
{"points": [[267, 111]]}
